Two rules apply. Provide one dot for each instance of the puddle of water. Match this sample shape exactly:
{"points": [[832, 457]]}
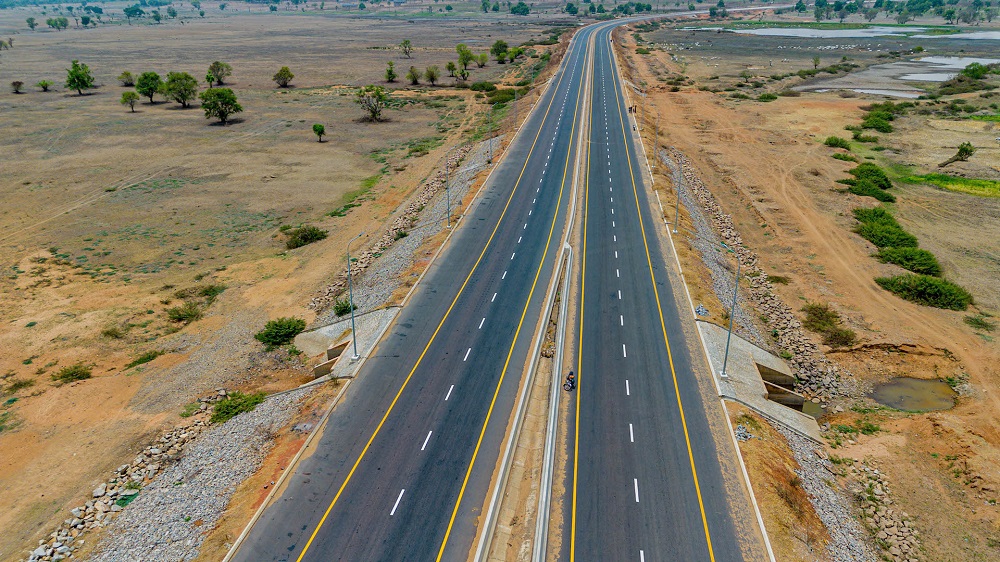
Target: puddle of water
{"points": [[813, 409], [954, 63], [806, 33], [975, 36], [915, 395], [928, 77]]}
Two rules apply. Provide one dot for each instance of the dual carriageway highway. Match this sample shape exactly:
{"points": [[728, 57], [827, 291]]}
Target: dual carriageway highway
{"points": [[403, 465]]}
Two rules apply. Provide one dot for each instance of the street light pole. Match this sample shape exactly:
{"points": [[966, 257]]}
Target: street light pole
{"points": [[447, 184], [350, 292], [732, 314]]}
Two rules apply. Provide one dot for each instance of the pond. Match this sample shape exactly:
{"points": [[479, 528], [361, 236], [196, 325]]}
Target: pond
{"points": [[915, 395]]}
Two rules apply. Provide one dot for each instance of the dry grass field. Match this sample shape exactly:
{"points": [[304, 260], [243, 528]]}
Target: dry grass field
{"points": [[110, 218]]}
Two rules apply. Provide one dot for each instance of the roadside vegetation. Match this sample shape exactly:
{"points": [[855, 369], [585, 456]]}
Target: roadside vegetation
{"points": [[279, 332], [234, 404], [823, 320]]}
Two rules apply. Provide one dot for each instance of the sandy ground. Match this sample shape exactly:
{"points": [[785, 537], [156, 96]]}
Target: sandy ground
{"points": [[768, 167], [107, 214]]}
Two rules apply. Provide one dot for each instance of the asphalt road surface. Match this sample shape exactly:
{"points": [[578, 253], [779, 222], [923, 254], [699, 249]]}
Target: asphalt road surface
{"points": [[646, 480], [403, 466]]}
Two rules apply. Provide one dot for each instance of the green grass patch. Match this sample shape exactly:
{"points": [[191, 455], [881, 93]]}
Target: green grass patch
{"points": [[982, 188], [845, 157], [878, 226], [993, 118], [190, 409], [927, 290], [980, 322], [343, 306], [911, 259], [767, 97], [76, 372], [235, 404], [144, 358], [302, 236], [779, 279], [280, 332], [421, 147]]}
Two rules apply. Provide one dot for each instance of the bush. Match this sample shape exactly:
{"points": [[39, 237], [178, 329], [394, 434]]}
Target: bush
{"points": [[912, 259], [927, 290], [305, 235], [77, 372], [280, 332], [767, 97], [823, 320], [482, 86], [837, 142], [343, 306], [845, 157], [865, 188], [235, 404], [186, 313], [871, 172], [144, 358], [113, 332], [879, 227], [878, 123]]}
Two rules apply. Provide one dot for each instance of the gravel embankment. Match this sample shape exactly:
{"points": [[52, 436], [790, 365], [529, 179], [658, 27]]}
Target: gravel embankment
{"points": [[169, 518], [848, 541]]}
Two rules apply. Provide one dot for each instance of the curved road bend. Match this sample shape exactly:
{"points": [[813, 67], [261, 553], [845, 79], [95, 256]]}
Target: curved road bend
{"points": [[646, 479], [404, 463]]}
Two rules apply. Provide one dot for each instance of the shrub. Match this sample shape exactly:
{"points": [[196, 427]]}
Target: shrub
{"points": [[912, 259], [781, 279], [280, 332], [186, 313], [18, 384], [879, 227], [641, 51], [866, 188], [113, 332], [77, 372], [790, 93], [871, 172], [878, 123], [343, 306], [823, 320], [767, 97], [482, 86], [837, 142], [845, 157], [189, 409], [927, 290], [978, 322], [235, 404], [144, 358], [305, 235]]}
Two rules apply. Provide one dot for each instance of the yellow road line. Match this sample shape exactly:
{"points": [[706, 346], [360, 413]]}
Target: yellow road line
{"points": [[524, 312], [663, 327], [579, 356], [392, 405]]}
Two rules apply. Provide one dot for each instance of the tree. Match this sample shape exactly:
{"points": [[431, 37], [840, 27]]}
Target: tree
{"points": [[746, 75], [16, 86], [180, 87], [44, 85], [373, 99], [406, 47], [218, 72], [413, 76], [171, 12], [448, 8], [320, 130], [451, 68], [390, 72], [196, 4], [482, 59], [283, 77], [133, 11], [32, 24], [903, 17], [871, 14], [976, 71], [800, 6], [126, 79], [219, 103], [485, 5], [129, 98], [592, 9], [520, 9], [462, 75], [496, 7], [432, 74], [78, 77], [571, 9], [272, 8], [85, 20], [465, 55], [148, 85], [965, 150], [499, 49], [222, 7], [815, 62]]}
